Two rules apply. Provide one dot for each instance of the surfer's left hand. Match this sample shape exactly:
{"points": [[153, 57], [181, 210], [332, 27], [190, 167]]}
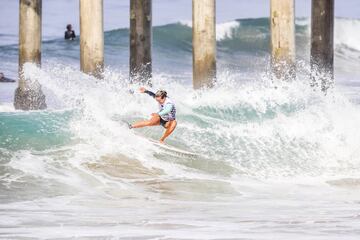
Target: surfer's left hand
{"points": [[142, 90]]}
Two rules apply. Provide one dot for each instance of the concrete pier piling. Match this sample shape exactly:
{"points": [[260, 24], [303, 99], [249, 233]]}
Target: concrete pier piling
{"points": [[28, 95], [204, 43], [322, 43], [282, 26], [140, 41], [92, 37]]}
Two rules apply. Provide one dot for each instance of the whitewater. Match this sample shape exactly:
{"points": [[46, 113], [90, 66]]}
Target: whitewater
{"points": [[276, 160]]}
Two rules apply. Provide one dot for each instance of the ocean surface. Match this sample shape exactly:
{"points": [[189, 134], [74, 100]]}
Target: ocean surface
{"points": [[275, 160]]}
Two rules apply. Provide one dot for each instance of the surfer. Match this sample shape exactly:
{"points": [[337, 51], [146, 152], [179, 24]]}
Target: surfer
{"points": [[69, 33], [165, 117], [5, 79]]}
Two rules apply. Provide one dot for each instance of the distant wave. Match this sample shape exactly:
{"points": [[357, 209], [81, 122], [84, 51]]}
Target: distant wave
{"points": [[252, 34], [237, 35], [241, 44]]}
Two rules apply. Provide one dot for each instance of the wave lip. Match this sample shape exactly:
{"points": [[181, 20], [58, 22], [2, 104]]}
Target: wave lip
{"points": [[7, 107], [223, 30], [347, 33]]}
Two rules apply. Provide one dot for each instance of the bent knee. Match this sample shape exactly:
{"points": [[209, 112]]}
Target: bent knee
{"points": [[154, 120]]}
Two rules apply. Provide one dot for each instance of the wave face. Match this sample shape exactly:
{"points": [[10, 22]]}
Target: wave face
{"points": [[256, 129], [269, 154]]}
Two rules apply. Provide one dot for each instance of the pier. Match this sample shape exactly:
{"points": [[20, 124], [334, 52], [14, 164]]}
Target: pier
{"points": [[204, 43], [92, 37], [29, 96], [322, 43], [140, 41], [282, 30]]}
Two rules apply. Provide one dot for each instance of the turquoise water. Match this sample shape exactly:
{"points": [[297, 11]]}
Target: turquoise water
{"points": [[34, 130]]}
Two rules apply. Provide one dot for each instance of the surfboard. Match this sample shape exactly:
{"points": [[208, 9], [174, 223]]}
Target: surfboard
{"points": [[172, 149], [164, 146]]}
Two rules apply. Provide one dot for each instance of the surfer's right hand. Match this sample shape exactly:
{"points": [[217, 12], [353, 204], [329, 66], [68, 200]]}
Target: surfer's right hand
{"points": [[142, 89]]}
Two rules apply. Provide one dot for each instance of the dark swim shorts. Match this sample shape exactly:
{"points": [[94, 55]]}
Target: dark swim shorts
{"points": [[163, 122]]}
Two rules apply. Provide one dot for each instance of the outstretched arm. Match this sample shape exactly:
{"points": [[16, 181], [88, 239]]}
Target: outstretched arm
{"points": [[150, 93]]}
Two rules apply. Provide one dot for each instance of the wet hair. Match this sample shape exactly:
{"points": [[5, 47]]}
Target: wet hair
{"points": [[161, 93], [68, 27]]}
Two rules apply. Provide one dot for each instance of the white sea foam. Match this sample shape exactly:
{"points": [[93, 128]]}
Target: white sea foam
{"points": [[262, 121], [347, 34], [7, 107], [260, 143], [223, 30]]}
